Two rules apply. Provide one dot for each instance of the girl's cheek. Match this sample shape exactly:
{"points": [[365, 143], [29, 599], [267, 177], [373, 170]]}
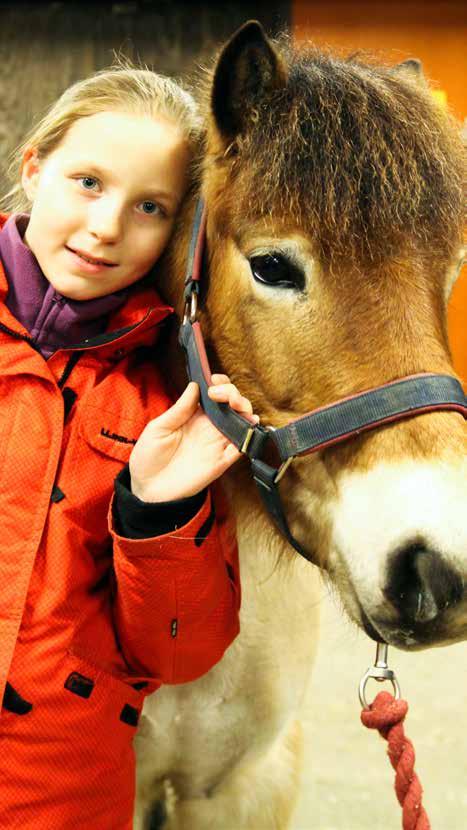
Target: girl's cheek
{"points": [[63, 199], [152, 242]]}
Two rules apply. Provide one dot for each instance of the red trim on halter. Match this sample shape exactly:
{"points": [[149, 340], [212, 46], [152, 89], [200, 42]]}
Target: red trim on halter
{"points": [[401, 416]]}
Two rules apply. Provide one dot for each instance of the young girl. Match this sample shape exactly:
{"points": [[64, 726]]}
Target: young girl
{"points": [[102, 598]]}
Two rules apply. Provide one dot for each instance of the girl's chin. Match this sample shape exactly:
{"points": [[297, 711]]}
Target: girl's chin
{"points": [[80, 288], [71, 293]]}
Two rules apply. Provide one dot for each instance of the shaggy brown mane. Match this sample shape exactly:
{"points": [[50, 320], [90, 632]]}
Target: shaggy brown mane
{"points": [[358, 154]]}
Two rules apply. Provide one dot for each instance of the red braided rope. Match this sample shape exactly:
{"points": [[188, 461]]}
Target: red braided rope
{"points": [[386, 714]]}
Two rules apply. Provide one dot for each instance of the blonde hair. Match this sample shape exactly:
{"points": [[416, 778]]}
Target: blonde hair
{"points": [[123, 87]]}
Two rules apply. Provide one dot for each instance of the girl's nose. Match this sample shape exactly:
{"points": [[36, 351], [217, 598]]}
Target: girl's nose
{"points": [[105, 220]]}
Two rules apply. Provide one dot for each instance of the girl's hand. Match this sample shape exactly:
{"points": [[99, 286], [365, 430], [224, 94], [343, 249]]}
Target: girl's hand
{"points": [[181, 452]]}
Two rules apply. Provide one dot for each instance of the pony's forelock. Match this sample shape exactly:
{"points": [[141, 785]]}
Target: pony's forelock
{"points": [[357, 153]]}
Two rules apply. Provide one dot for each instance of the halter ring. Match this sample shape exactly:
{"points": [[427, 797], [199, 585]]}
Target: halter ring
{"points": [[191, 309], [380, 672]]}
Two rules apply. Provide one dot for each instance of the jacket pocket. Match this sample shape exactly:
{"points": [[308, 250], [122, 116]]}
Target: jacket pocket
{"points": [[78, 697], [87, 681], [111, 433], [99, 445]]}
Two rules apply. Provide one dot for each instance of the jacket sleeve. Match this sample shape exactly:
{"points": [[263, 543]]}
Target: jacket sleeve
{"points": [[136, 519], [177, 597]]}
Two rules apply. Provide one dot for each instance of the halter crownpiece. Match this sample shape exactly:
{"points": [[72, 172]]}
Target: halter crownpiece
{"points": [[317, 430]]}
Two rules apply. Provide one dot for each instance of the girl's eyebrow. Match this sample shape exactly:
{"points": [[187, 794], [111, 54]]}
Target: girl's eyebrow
{"points": [[149, 191]]}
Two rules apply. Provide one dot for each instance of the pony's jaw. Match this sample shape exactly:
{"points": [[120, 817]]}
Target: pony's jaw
{"points": [[382, 511]]}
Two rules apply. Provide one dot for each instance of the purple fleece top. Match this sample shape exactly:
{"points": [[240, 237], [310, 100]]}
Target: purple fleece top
{"points": [[52, 320]]}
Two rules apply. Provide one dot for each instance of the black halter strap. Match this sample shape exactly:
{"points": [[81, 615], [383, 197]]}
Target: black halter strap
{"points": [[317, 430]]}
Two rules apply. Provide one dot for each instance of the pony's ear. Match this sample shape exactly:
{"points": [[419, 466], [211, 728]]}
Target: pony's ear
{"points": [[247, 69], [412, 69]]}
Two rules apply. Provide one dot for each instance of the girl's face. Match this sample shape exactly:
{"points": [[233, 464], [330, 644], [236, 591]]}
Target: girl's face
{"points": [[104, 201]]}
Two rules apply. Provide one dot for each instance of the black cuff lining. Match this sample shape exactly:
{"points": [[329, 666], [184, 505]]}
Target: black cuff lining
{"points": [[136, 519]]}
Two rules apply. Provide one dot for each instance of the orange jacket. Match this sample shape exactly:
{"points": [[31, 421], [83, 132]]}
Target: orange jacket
{"points": [[90, 622]]}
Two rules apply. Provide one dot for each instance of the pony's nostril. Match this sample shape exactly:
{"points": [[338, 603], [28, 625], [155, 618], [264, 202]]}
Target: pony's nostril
{"points": [[421, 585]]}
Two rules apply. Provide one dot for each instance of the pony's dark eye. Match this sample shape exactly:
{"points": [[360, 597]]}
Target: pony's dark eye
{"points": [[276, 270]]}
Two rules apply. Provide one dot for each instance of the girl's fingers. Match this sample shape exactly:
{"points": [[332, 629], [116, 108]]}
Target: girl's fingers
{"points": [[228, 393], [217, 379], [225, 392], [181, 411]]}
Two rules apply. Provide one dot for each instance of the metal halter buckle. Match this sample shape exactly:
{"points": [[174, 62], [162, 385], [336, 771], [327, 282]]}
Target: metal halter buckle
{"points": [[247, 440], [380, 672], [283, 468], [191, 308]]}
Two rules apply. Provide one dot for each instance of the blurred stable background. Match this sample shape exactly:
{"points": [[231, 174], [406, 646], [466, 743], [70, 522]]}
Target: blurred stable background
{"points": [[44, 47]]}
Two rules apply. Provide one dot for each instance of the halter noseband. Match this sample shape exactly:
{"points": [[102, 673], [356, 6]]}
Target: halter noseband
{"points": [[317, 430]]}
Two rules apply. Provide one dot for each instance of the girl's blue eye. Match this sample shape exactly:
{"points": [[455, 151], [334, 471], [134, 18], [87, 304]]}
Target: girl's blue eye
{"points": [[151, 208], [88, 182]]}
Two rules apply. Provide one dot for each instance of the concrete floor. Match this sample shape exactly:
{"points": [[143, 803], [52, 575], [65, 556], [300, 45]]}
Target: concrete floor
{"points": [[348, 779]]}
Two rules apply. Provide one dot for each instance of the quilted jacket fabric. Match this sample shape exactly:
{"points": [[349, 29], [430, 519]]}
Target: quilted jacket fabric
{"points": [[90, 621]]}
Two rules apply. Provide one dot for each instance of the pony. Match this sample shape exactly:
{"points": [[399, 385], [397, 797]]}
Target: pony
{"points": [[334, 213]]}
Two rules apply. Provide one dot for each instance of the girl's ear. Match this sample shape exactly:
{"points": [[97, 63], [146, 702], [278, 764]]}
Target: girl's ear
{"points": [[30, 170]]}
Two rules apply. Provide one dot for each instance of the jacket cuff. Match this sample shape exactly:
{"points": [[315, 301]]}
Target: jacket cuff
{"points": [[136, 519], [179, 544]]}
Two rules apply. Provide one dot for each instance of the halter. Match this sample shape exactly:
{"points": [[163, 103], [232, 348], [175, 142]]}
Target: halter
{"points": [[317, 430]]}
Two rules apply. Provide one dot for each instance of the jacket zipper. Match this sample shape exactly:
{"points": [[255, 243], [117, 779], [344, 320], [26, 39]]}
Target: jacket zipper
{"points": [[70, 365]]}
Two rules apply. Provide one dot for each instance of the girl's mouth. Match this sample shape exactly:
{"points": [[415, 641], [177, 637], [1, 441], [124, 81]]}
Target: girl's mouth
{"points": [[89, 263]]}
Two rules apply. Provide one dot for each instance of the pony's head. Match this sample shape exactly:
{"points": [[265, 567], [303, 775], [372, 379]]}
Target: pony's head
{"points": [[334, 201]]}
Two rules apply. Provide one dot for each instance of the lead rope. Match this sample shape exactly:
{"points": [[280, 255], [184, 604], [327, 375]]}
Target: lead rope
{"points": [[387, 714]]}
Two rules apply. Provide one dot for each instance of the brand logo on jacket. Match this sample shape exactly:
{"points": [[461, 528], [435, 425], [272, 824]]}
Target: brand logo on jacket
{"points": [[114, 437]]}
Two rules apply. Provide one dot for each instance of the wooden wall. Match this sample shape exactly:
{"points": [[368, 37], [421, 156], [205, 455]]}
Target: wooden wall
{"points": [[432, 30]]}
